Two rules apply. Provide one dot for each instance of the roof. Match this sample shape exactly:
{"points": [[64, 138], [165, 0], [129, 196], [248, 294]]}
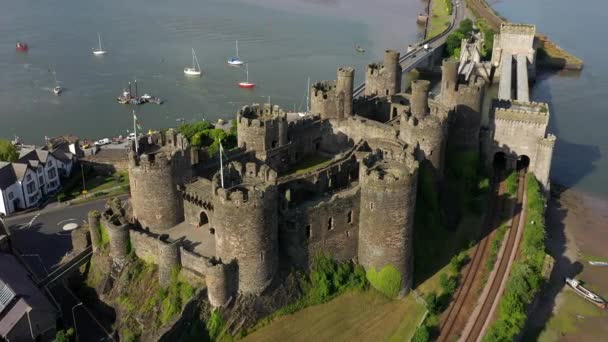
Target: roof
{"points": [[20, 170], [27, 297], [7, 175], [62, 154], [30, 154]]}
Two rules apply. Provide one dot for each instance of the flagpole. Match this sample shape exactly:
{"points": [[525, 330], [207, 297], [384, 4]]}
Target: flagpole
{"points": [[135, 131], [221, 164]]}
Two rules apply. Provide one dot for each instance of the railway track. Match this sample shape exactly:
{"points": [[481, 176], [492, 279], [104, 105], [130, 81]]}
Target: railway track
{"points": [[486, 312], [454, 320]]}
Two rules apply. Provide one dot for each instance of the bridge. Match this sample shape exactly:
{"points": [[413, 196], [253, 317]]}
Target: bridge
{"points": [[77, 261], [415, 57]]}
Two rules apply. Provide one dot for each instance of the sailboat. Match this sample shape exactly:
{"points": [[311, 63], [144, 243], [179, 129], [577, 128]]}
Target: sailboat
{"points": [[196, 68], [235, 61], [246, 83], [303, 114], [57, 90], [99, 51]]}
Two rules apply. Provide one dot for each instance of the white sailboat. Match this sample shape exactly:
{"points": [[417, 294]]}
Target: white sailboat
{"points": [[196, 68], [99, 51], [57, 90], [303, 114], [235, 61]]}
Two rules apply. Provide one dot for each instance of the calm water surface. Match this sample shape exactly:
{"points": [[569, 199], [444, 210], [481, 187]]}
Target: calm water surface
{"points": [[579, 100], [150, 40]]}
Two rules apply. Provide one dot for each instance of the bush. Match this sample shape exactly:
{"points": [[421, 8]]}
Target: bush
{"points": [[387, 281], [422, 334], [448, 284], [203, 134], [511, 184], [128, 336], [458, 261], [215, 325], [61, 197], [64, 336], [449, 6], [8, 151], [432, 303]]}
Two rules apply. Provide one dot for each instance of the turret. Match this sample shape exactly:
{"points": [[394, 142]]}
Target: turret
{"points": [[544, 157], [449, 80], [386, 219], [261, 127], [384, 79], [323, 100], [420, 98], [245, 216], [345, 84]]}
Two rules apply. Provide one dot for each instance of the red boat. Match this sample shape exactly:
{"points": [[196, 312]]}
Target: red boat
{"points": [[246, 84], [21, 46]]}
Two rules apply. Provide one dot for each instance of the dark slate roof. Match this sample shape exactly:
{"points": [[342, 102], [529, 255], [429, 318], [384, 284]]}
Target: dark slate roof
{"points": [[20, 170], [62, 154], [38, 154], [7, 175], [29, 297]]}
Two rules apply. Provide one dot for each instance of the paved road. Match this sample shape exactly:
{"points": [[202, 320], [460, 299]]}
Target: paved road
{"points": [[40, 238]]}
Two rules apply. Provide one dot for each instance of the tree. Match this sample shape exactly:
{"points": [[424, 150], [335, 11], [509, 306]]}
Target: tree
{"points": [[422, 334], [8, 151], [453, 42], [466, 27]]}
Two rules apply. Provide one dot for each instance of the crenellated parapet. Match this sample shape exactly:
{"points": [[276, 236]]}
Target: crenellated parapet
{"points": [[532, 113], [386, 219]]}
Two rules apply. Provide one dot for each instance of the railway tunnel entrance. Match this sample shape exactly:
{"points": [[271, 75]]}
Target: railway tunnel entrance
{"points": [[522, 162]]}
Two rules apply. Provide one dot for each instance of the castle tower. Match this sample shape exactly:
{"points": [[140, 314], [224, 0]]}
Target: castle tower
{"points": [[426, 133], [94, 225], [245, 219], [324, 100], [154, 174], [219, 280], [345, 85], [449, 81], [384, 79], [465, 101], [119, 239], [420, 98], [386, 219], [544, 157], [261, 128], [168, 261]]}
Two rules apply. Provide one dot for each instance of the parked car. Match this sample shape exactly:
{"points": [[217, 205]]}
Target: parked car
{"points": [[102, 142], [131, 136]]}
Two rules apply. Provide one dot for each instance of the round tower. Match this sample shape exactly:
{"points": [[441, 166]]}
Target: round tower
{"points": [[386, 219], [94, 218], [245, 219], [345, 84], [118, 235], [323, 100], [449, 80], [392, 72], [168, 261], [155, 171], [428, 135], [219, 279], [419, 101]]}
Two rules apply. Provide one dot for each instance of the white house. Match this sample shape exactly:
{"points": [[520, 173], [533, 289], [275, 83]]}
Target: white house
{"points": [[28, 180]]}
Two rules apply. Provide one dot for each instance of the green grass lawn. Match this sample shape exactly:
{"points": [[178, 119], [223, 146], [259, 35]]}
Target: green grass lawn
{"points": [[353, 316], [113, 184], [439, 19], [309, 164]]}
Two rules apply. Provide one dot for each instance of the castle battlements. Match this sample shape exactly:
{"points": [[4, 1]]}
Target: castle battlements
{"points": [[324, 89], [513, 28], [528, 112], [548, 142]]}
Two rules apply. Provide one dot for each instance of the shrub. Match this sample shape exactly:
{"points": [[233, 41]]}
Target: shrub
{"points": [[448, 284], [61, 197], [65, 335], [128, 336], [387, 281], [8, 151], [458, 261], [511, 184], [215, 325], [432, 303], [422, 334]]}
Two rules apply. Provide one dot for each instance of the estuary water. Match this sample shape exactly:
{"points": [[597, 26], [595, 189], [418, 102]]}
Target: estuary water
{"points": [[284, 42], [579, 100]]}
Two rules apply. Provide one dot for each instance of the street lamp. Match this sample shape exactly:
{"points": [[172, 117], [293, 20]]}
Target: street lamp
{"points": [[74, 319], [84, 187]]}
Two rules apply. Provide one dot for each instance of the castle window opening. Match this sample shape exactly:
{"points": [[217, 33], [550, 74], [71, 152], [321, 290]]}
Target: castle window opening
{"points": [[273, 144], [386, 91], [371, 206], [308, 232], [349, 217], [500, 160], [212, 231], [330, 223], [523, 162], [317, 145], [394, 114], [203, 219], [348, 233]]}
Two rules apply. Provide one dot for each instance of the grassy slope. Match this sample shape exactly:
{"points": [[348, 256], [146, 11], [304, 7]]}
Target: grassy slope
{"points": [[439, 19], [356, 315]]}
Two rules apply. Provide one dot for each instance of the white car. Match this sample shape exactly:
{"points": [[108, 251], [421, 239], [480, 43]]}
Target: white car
{"points": [[131, 136], [102, 142]]}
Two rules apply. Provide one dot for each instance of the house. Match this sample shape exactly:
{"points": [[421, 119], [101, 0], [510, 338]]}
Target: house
{"points": [[25, 313]]}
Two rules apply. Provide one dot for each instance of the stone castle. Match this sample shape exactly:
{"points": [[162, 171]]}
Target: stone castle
{"points": [[341, 180]]}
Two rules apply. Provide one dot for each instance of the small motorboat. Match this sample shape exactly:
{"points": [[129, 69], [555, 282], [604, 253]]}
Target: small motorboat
{"points": [[235, 61], [126, 93], [246, 84], [21, 46], [196, 68], [57, 90], [146, 96], [359, 49], [598, 263]]}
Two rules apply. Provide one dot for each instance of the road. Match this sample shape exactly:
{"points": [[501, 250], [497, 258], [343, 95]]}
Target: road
{"points": [[41, 240], [411, 59]]}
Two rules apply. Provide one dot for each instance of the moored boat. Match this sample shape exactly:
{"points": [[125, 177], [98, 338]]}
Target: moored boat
{"points": [[21, 46], [246, 84], [196, 68], [235, 61], [99, 51], [598, 263], [582, 291], [57, 90]]}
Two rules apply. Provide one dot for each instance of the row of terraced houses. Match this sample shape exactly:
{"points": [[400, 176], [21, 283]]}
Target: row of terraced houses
{"points": [[36, 174]]}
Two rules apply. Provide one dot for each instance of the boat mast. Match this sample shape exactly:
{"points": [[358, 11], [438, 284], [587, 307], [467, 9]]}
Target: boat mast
{"points": [[221, 164], [237, 49], [308, 96], [99, 37], [135, 131], [247, 71]]}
